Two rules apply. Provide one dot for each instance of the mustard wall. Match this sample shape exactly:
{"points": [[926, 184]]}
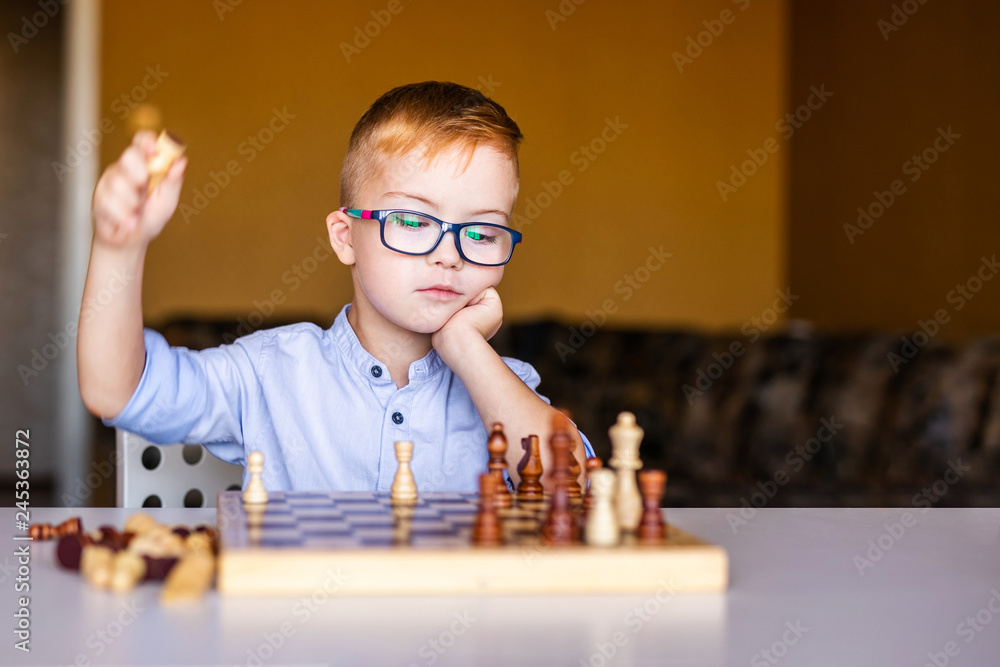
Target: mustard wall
{"points": [[662, 130], [910, 137]]}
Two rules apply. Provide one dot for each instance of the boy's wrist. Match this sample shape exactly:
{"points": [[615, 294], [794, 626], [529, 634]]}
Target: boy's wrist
{"points": [[458, 344], [119, 253]]}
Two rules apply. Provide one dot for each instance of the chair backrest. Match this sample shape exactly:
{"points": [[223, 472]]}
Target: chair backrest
{"points": [[170, 475]]}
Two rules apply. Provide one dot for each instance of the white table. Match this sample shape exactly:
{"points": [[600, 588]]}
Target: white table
{"points": [[795, 592]]}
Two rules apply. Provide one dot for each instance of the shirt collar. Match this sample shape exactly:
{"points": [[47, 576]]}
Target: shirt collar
{"points": [[343, 334]]}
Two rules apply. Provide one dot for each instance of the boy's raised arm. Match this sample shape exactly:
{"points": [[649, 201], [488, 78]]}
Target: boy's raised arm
{"points": [[499, 394], [110, 349]]}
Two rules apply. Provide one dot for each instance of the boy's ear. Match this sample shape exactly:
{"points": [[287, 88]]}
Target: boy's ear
{"points": [[338, 225]]}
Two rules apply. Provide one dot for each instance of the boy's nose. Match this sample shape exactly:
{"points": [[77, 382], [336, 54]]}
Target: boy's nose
{"points": [[446, 252]]}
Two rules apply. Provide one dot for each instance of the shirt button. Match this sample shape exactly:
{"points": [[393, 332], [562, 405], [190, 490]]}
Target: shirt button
{"points": [[376, 371], [397, 418]]}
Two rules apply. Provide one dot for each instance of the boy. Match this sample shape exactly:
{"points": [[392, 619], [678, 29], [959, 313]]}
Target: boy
{"points": [[408, 359]]}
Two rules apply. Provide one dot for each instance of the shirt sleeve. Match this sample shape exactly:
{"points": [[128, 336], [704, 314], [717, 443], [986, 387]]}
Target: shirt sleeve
{"points": [[194, 397], [531, 378]]}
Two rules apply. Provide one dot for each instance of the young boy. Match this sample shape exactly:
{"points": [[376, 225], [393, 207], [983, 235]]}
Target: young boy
{"points": [[428, 186]]}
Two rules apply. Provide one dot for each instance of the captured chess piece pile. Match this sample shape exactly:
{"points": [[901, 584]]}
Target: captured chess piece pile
{"points": [[144, 550]]}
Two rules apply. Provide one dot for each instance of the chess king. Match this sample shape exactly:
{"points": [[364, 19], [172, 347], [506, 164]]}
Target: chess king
{"points": [[428, 186]]}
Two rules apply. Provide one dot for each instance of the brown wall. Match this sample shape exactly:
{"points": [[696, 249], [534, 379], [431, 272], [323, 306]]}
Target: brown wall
{"points": [[655, 184], [940, 69]]}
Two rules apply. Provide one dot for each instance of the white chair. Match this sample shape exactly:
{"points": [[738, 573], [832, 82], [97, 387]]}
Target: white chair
{"points": [[170, 475]]}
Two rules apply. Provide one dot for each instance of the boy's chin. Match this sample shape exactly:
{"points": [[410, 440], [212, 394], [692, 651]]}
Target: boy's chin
{"points": [[430, 322]]}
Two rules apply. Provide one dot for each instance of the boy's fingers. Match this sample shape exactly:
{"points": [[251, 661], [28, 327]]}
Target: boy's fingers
{"points": [[124, 192], [133, 166], [143, 139]]}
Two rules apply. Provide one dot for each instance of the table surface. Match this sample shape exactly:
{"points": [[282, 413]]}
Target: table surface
{"points": [[808, 587]]}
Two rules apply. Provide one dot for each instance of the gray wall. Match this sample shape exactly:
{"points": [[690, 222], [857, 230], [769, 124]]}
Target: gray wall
{"points": [[30, 137]]}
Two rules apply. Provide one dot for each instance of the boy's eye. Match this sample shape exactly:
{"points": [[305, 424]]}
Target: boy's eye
{"points": [[480, 235], [403, 220]]}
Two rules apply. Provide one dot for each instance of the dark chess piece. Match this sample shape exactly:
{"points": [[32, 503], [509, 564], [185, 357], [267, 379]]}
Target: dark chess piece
{"points": [[652, 529], [530, 470], [497, 447], [486, 530]]}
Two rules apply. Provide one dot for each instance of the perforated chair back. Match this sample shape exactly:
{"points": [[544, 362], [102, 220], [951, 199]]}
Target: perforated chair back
{"points": [[170, 475]]}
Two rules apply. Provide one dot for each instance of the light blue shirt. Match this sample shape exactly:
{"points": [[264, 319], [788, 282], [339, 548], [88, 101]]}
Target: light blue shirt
{"points": [[322, 410]]}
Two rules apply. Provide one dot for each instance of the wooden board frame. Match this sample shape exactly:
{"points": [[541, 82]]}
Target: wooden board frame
{"points": [[682, 563]]}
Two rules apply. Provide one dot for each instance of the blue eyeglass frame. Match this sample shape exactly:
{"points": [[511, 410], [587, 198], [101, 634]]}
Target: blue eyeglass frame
{"points": [[454, 227]]}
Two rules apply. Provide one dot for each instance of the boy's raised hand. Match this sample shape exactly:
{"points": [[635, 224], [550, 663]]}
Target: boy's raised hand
{"points": [[483, 316], [126, 215]]}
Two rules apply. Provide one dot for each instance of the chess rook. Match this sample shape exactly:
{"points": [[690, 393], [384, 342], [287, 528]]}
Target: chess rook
{"points": [[530, 470], [497, 447], [652, 528], [625, 438], [404, 486]]}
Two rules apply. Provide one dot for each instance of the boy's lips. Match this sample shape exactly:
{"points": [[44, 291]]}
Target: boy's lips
{"points": [[440, 292]]}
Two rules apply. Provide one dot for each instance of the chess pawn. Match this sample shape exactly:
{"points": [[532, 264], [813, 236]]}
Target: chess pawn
{"points": [[625, 438], [652, 528], [530, 470], [255, 493], [602, 521], [593, 463], [497, 447], [573, 479], [486, 529], [404, 486]]}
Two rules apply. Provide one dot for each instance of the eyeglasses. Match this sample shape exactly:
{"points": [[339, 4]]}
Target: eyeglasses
{"points": [[413, 233]]}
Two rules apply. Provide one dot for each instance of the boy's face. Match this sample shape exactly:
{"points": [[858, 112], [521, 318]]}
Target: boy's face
{"points": [[421, 293]]}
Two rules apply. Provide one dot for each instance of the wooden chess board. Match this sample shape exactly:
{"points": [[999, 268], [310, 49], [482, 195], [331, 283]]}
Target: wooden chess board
{"points": [[301, 542]]}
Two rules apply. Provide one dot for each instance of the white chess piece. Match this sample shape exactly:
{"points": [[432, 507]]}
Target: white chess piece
{"points": [[404, 486], [625, 438], [255, 493], [602, 528]]}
